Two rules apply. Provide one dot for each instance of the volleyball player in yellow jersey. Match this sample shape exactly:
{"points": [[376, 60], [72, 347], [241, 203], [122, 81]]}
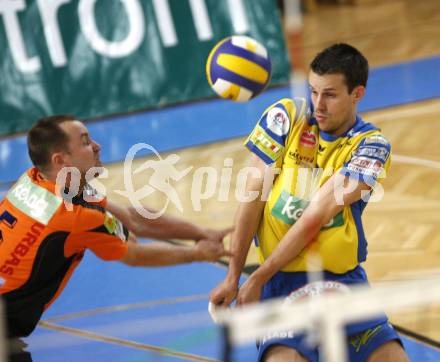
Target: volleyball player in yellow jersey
{"points": [[329, 160]]}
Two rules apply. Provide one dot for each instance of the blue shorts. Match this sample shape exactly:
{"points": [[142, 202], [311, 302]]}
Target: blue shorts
{"points": [[360, 345], [363, 337]]}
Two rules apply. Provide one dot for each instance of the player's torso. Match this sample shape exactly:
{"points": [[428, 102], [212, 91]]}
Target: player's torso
{"points": [[33, 231], [309, 160]]}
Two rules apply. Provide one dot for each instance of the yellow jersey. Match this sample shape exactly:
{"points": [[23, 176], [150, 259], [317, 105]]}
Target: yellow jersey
{"points": [[288, 136]]}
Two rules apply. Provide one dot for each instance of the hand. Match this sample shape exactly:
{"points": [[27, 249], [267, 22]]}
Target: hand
{"points": [[210, 250], [224, 293], [216, 235], [249, 292]]}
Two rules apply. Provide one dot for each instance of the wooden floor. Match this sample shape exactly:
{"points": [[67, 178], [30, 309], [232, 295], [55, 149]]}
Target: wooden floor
{"points": [[403, 230]]}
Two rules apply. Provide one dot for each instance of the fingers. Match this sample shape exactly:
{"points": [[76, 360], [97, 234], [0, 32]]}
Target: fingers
{"points": [[221, 302], [216, 298], [222, 295]]}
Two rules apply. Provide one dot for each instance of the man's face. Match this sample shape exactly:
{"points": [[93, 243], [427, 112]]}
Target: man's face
{"points": [[335, 108], [83, 151]]}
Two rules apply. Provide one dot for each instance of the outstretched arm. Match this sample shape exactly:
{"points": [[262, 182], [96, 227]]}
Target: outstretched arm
{"points": [[162, 254], [323, 207], [247, 220], [164, 227]]}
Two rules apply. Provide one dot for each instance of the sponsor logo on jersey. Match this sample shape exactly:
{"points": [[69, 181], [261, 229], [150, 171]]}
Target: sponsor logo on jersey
{"points": [[114, 226], [265, 143], [33, 200], [301, 159], [365, 166], [278, 121], [21, 249], [2, 281], [377, 139], [376, 152], [308, 139], [289, 209]]}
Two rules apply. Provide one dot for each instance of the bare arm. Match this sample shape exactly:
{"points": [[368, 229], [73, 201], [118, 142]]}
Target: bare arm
{"points": [[162, 254], [247, 219], [164, 227], [322, 208]]}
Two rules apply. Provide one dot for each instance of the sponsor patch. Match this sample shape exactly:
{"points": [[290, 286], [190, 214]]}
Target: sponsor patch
{"points": [[377, 152], [265, 143], [2, 281], [365, 166], [309, 290], [308, 139], [376, 139], [278, 121], [278, 335], [33, 200], [114, 226], [301, 159], [289, 209], [361, 339]]}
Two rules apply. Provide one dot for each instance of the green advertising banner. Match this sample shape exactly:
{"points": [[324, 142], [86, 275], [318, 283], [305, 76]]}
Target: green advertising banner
{"points": [[94, 58]]}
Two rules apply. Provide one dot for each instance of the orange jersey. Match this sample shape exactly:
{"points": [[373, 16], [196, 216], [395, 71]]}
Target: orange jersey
{"points": [[42, 240]]}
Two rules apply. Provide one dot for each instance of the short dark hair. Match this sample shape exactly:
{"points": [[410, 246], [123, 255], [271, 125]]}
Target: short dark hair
{"points": [[46, 137], [342, 59]]}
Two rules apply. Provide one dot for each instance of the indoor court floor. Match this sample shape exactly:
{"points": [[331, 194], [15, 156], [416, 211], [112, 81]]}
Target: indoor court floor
{"points": [[110, 312]]}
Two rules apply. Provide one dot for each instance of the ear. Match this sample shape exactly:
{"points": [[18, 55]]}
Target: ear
{"points": [[58, 160], [358, 93]]}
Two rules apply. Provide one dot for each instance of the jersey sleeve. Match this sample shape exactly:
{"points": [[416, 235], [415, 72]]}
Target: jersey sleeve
{"points": [[100, 231], [370, 160], [269, 138]]}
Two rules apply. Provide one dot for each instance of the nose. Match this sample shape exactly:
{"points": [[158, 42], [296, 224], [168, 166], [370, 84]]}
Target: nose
{"points": [[319, 102], [96, 146]]}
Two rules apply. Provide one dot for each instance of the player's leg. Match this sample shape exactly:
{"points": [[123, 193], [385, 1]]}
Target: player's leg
{"points": [[380, 343], [279, 353], [389, 352]]}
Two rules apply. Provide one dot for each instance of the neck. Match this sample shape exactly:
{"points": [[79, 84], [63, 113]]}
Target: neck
{"points": [[345, 127], [52, 175]]}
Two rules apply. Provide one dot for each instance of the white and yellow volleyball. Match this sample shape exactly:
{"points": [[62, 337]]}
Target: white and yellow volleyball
{"points": [[238, 68]]}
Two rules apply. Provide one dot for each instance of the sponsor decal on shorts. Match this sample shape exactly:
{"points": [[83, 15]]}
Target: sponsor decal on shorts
{"points": [[361, 339], [317, 288], [278, 335], [309, 290]]}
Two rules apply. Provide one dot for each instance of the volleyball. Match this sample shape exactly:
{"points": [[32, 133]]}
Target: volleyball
{"points": [[238, 68]]}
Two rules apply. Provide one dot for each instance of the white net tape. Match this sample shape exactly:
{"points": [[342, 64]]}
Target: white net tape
{"points": [[256, 321]]}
